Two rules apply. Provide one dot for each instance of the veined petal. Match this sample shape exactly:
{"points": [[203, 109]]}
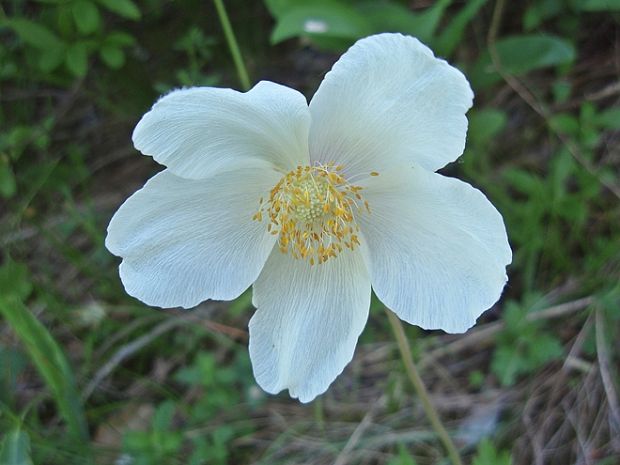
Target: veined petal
{"points": [[184, 241], [388, 101], [307, 322], [201, 131], [437, 248]]}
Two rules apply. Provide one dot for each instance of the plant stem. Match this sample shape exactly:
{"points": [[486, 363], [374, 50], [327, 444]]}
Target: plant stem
{"points": [[242, 72], [418, 384]]}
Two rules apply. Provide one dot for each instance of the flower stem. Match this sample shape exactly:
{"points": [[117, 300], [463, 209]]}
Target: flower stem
{"points": [[418, 384], [242, 72]]}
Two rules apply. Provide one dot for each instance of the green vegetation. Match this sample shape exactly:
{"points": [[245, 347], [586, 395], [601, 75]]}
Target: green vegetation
{"points": [[89, 375]]}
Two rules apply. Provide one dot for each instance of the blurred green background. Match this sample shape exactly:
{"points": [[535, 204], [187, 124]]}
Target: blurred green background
{"points": [[90, 375]]}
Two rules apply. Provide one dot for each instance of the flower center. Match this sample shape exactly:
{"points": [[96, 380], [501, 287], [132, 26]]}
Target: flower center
{"points": [[312, 210]]}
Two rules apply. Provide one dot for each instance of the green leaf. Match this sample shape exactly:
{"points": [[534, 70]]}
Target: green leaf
{"points": [[35, 34], [487, 454], [523, 181], [429, 19], [241, 304], [564, 123], [86, 16], [49, 60], [163, 416], [76, 59], [507, 363], [599, 5], [278, 8], [485, 124], [453, 32], [15, 448], [50, 361], [112, 56], [540, 11], [8, 186], [608, 119], [403, 457], [15, 280], [389, 17], [545, 349], [125, 8], [13, 363], [328, 19], [386, 16], [119, 39], [519, 55]]}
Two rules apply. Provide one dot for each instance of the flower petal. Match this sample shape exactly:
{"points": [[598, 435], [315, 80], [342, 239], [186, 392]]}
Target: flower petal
{"points": [[184, 241], [307, 322], [389, 101], [437, 248], [200, 131]]}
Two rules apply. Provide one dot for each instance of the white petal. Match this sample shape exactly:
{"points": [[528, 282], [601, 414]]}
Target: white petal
{"points": [[184, 241], [438, 248], [389, 101], [308, 322], [200, 131]]}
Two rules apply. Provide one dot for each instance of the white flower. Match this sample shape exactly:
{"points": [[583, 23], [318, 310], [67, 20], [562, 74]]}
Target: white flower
{"points": [[313, 205]]}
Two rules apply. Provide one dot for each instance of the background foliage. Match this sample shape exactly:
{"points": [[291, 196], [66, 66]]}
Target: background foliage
{"points": [[89, 375]]}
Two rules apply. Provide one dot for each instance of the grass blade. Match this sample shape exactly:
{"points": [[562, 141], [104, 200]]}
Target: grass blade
{"points": [[50, 362], [15, 448]]}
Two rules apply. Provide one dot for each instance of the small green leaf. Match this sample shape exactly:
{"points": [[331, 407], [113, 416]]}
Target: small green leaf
{"points": [[561, 91], [35, 34], [523, 181], [8, 186], [163, 416], [241, 304], [119, 39], [86, 16], [49, 60], [487, 454], [564, 123], [387, 16], [485, 124], [15, 280], [507, 363], [540, 11], [429, 19], [608, 119], [125, 8], [15, 448], [599, 5], [519, 55], [403, 457], [453, 33], [328, 19], [76, 59], [112, 56], [278, 8]]}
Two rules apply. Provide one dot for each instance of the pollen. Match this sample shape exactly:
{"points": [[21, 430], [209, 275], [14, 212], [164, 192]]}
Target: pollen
{"points": [[313, 211]]}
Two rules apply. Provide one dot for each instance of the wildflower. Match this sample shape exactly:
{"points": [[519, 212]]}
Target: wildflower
{"points": [[314, 204]]}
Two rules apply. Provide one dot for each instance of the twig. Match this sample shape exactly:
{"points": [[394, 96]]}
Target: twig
{"points": [[420, 388], [127, 350], [172, 322], [604, 365], [359, 431], [487, 332]]}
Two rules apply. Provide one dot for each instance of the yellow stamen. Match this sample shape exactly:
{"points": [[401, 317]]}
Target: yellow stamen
{"points": [[312, 210]]}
